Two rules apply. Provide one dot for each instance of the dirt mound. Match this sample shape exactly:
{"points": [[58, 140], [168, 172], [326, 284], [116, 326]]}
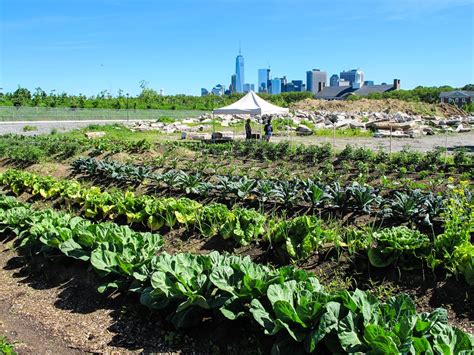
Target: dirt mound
{"points": [[385, 105]]}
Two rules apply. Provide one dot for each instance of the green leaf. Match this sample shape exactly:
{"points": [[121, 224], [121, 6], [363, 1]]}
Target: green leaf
{"points": [[261, 316], [221, 277], [104, 260], [348, 334], [421, 345], [74, 250], [328, 322], [283, 292]]}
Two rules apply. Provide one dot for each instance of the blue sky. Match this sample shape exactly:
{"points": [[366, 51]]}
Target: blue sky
{"points": [[85, 46]]}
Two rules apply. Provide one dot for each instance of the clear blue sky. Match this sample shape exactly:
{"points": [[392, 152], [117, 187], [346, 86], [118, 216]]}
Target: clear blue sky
{"points": [[85, 46]]}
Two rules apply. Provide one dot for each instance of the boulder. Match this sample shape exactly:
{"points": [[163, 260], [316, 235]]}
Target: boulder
{"points": [[199, 136], [462, 129], [303, 130], [356, 124], [385, 133], [427, 130], [342, 123], [390, 125]]}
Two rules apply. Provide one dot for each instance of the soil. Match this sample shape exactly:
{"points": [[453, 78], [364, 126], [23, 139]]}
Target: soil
{"points": [[385, 105], [52, 307]]}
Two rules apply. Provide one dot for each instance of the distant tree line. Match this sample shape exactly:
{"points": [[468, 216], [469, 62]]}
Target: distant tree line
{"points": [[147, 99], [150, 99]]}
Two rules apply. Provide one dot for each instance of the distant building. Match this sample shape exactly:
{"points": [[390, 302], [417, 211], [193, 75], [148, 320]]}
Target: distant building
{"points": [[369, 82], [457, 97], [249, 87], [333, 81], [355, 77], [204, 92], [316, 80], [294, 86], [264, 77], [298, 85], [276, 86], [218, 90], [342, 82], [233, 84], [240, 73], [162, 92], [342, 92]]}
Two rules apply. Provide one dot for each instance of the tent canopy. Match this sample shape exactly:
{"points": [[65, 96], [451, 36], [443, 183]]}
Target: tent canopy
{"points": [[251, 104]]}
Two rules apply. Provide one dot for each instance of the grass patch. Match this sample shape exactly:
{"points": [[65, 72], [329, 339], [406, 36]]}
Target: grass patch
{"points": [[166, 119], [118, 131], [350, 132], [29, 128]]}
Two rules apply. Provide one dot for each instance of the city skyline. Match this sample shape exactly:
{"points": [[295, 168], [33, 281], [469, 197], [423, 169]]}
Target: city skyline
{"points": [[89, 46]]}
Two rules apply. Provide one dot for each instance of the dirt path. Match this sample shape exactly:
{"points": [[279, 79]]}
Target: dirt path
{"points": [[52, 307], [33, 312], [47, 312]]}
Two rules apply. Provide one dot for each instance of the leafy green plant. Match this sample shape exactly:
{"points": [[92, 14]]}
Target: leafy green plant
{"points": [[243, 225], [401, 246], [301, 236], [6, 348]]}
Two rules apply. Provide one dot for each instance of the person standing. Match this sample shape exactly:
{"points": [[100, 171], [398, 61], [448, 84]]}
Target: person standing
{"points": [[268, 130], [248, 130]]}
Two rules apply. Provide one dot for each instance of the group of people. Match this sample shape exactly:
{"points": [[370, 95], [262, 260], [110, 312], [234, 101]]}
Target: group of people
{"points": [[267, 129]]}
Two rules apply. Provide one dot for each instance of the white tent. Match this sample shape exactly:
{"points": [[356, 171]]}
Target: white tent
{"points": [[251, 104]]}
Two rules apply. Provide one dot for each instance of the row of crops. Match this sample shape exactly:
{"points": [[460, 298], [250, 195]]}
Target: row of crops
{"points": [[403, 205], [298, 237], [30, 150], [286, 304], [319, 153]]}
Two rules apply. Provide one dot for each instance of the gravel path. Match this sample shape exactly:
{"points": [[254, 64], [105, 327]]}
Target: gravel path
{"points": [[425, 143]]}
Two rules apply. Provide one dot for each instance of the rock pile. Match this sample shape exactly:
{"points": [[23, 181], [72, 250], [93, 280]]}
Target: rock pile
{"points": [[398, 124], [381, 123]]}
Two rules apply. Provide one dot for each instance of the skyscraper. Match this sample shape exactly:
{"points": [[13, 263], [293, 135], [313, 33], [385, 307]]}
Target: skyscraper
{"points": [[239, 72], [233, 84], [316, 80], [276, 86], [264, 77], [249, 87]]}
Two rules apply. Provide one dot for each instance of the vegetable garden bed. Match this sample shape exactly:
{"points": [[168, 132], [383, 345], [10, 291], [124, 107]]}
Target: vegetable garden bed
{"points": [[366, 236]]}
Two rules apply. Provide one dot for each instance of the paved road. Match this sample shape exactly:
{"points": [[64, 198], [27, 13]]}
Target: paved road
{"points": [[45, 127], [425, 143]]}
